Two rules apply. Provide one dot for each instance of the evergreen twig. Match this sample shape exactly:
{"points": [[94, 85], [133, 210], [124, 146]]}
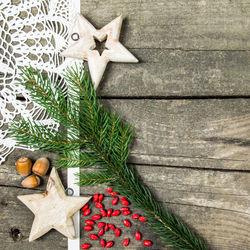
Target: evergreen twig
{"points": [[104, 140]]}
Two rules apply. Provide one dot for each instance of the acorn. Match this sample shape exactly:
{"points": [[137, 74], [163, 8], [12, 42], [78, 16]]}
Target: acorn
{"points": [[23, 166], [41, 166], [31, 181]]}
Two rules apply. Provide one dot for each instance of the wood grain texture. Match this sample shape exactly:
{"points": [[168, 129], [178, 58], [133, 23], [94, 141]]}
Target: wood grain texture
{"points": [[214, 203], [209, 133], [189, 25], [171, 73]]}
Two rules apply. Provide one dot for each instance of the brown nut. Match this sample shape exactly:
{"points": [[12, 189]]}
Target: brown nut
{"points": [[23, 166], [41, 166], [31, 181]]}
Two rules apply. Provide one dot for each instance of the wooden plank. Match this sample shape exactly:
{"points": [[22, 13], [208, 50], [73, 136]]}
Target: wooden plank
{"points": [[202, 133], [214, 203], [194, 24], [211, 133], [179, 73]]}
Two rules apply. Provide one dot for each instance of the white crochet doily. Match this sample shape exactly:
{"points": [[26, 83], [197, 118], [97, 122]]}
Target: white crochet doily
{"points": [[33, 32]]}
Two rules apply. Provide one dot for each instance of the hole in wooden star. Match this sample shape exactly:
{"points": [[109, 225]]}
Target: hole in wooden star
{"points": [[100, 46]]}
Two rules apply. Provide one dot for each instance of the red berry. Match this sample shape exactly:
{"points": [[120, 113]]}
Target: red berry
{"points": [[95, 197], [126, 212], [114, 201], [90, 222], [103, 243], [135, 216], [106, 228], [109, 244], [101, 224], [127, 223], [98, 205], [93, 237], [87, 212], [114, 194], [125, 242], [109, 212], [85, 246], [117, 232], [103, 212], [111, 226], [86, 206], [109, 189], [88, 228], [125, 202], [96, 217], [138, 236], [116, 213], [147, 243], [100, 198], [100, 232], [142, 219], [124, 209], [123, 198]]}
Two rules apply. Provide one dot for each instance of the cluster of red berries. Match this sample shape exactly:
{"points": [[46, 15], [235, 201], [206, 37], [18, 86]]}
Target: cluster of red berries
{"points": [[104, 227]]}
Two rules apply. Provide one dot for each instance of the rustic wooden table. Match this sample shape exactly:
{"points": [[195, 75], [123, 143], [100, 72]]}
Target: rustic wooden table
{"points": [[188, 100]]}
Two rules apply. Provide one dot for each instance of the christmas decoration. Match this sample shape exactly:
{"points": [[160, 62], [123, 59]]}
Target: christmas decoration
{"points": [[53, 209], [104, 140], [84, 45]]}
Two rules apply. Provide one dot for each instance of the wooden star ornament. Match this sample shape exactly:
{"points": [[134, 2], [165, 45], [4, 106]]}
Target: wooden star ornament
{"points": [[84, 44], [53, 209]]}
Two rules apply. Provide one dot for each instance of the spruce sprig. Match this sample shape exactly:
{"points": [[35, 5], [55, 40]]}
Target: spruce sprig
{"points": [[104, 140]]}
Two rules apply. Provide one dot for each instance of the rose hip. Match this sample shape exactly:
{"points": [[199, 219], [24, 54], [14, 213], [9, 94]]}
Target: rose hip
{"points": [[111, 226], [127, 223], [85, 246], [116, 213], [124, 209], [138, 235], [126, 212], [106, 228], [96, 217], [86, 206], [114, 194], [103, 243], [93, 237], [100, 198], [109, 189], [135, 216], [142, 219], [103, 212], [95, 197], [86, 212], [101, 224], [98, 205], [88, 228], [100, 232], [117, 232], [125, 202], [90, 222], [114, 201], [147, 243], [123, 198], [109, 244], [109, 212], [125, 242]]}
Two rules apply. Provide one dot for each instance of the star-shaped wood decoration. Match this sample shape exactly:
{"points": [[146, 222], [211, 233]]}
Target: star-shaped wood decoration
{"points": [[53, 209], [83, 46]]}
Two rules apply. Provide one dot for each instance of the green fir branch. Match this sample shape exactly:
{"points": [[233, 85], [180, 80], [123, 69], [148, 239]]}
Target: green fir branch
{"points": [[105, 142]]}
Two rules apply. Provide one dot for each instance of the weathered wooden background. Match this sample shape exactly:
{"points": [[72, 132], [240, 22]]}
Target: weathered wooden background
{"points": [[188, 100]]}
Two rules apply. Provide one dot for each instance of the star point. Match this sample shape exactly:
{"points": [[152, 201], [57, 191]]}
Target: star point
{"points": [[83, 48], [53, 209]]}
